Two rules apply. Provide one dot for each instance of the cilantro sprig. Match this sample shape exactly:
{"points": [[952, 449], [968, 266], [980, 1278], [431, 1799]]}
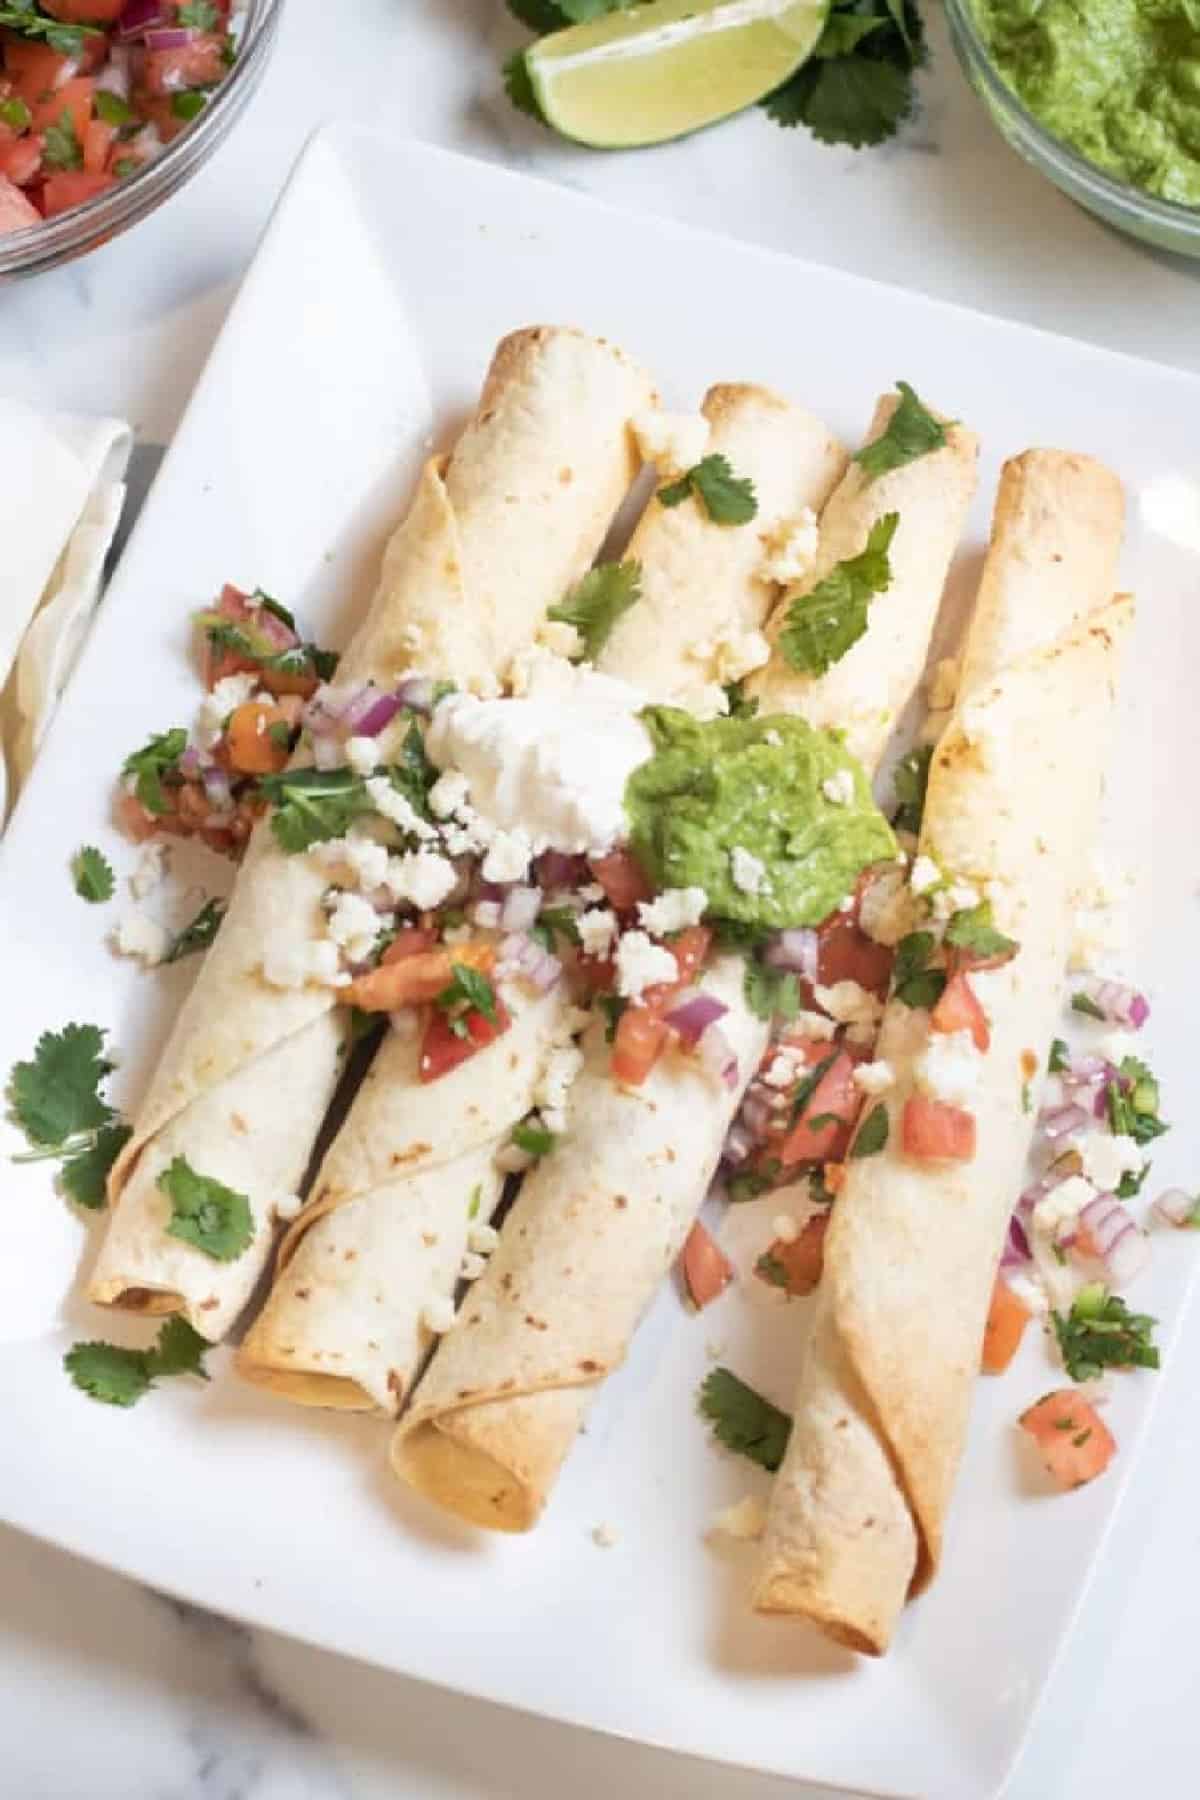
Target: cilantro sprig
{"points": [[743, 1420], [312, 805], [94, 880], [971, 930], [118, 1376], [857, 87], [595, 603], [205, 1213], [199, 934], [1132, 1100], [872, 1135], [915, 984], [149, 766], [771, 993], [910, 433], [55, 1098], [468, 992], [1101, 1333], [728, 499], [822, 625]]}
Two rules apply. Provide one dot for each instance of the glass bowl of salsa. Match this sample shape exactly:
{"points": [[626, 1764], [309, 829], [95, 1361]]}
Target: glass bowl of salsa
{"points": [[1103, 96], [108, 106]]}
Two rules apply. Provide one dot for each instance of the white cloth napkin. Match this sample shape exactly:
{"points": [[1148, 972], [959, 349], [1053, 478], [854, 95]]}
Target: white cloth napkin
{"points": [[61, 492]]}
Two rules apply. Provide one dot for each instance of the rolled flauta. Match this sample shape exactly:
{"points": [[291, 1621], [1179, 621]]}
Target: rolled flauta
{"points": [[863, 694], [858, 1509], [497, 530], [599, 1222], [412, 1168]]}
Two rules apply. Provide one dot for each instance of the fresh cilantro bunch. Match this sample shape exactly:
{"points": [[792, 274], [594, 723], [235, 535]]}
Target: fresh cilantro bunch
{"points": [[55, 1098], [857, 87]]}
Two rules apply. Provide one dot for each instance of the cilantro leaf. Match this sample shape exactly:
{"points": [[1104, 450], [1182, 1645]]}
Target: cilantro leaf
{"points": [[972, 930], [206, 1213], [15, 114], [743, 1420], [108, 1372], [1060, 1056], [469, 991], [768, 1268], [822, 625], [84, 1173], [311, 805], [914, 983], [519, 87], [911, 432], [56, 1096], [539, 15], [23, 17], [728, 499], [148, 765], [200, 933], [854, 100], [771, 993], [739, 706], [594, 604], [94, 879], [1100, 1333], [535, 1140], [553, 921], [1133, 1100], [748, 1184], [189, 104], [909, 784], [804, 1090], [1083, 1003], [844, 32], [61, 148], [872, 1134], [180, 1350], [201, 15], [612, 1006]]}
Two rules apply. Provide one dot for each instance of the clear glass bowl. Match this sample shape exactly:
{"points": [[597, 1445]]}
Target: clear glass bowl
{"points": [[1163, 223], [86, 227]]}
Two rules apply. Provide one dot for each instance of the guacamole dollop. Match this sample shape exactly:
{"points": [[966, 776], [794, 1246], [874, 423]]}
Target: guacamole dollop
{"points": [[754, 785], [1118, 80]]}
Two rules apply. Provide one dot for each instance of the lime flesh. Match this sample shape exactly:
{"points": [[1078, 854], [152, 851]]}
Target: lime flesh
{"points": [[660, 70]]}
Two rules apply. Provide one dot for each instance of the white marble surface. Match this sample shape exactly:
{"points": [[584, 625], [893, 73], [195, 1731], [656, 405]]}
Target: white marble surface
{"points": [[110, 1693]]}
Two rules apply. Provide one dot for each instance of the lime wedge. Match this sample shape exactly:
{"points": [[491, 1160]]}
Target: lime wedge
{"points": [[659, 70]]}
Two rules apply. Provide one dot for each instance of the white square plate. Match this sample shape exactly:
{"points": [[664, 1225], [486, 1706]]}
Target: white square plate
{"points": [[387, 275]]}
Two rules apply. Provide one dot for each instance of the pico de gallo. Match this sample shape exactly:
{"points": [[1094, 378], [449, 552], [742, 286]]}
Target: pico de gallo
{"points": [[91, 90]]}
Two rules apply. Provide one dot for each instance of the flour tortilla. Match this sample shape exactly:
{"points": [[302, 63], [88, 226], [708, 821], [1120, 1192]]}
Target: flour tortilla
{"points": [[495, 534], [864, 694], [358, 1254], [858, 1510], [496, 1414]]}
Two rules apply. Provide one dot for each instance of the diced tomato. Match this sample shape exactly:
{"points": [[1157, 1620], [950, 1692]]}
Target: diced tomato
{"points": [[196, 65], [640, 1036], [133, 818], [20, 157], [846, 953], [16, 212], [34, 69], [932, 1131], [84, 12], [71, 187], [1007, 1318], [958, 1009], [836, 1099], [74, 98], [802, 1260], [1074, 1442], [410, 940], [443, 1049], [414, 979], [707, 1270], [620, 875], [98, 140]]}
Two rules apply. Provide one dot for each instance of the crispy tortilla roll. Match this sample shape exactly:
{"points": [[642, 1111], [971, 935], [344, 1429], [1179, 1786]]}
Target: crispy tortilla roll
{"points": [[859, 1506], [864, 693], [600, 1220], [496, 532], [412, 1167]]}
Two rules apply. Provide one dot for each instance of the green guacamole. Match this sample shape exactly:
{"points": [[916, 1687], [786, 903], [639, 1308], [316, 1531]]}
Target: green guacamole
{"points": [[1118, 80], [752, 785]]}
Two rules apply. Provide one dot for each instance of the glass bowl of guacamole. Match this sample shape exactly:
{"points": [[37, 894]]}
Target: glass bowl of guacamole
{"points": [[1103, 96]]}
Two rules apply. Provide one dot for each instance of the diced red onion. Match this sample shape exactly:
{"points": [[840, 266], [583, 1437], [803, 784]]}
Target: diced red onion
{"points": [[756, 1112], [379, 714], [1127, 1257], [794, 950], [1105, 1220], [1086, 1069], [1120, 1246], [1016, 1249], [555, 870], [695, 1013], [357, 708], [114, 77], [137, 16], [1121, 1005], [169, 37], [191, 763], [327, 752], [717, 1056], [520, 908], [1062, 1120], [521, 955], [218, 790], [416, 693], [1175, 1206]]}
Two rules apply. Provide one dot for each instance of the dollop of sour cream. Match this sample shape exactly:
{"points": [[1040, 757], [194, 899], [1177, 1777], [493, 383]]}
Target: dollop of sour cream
{"points": [[552, 762]]}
